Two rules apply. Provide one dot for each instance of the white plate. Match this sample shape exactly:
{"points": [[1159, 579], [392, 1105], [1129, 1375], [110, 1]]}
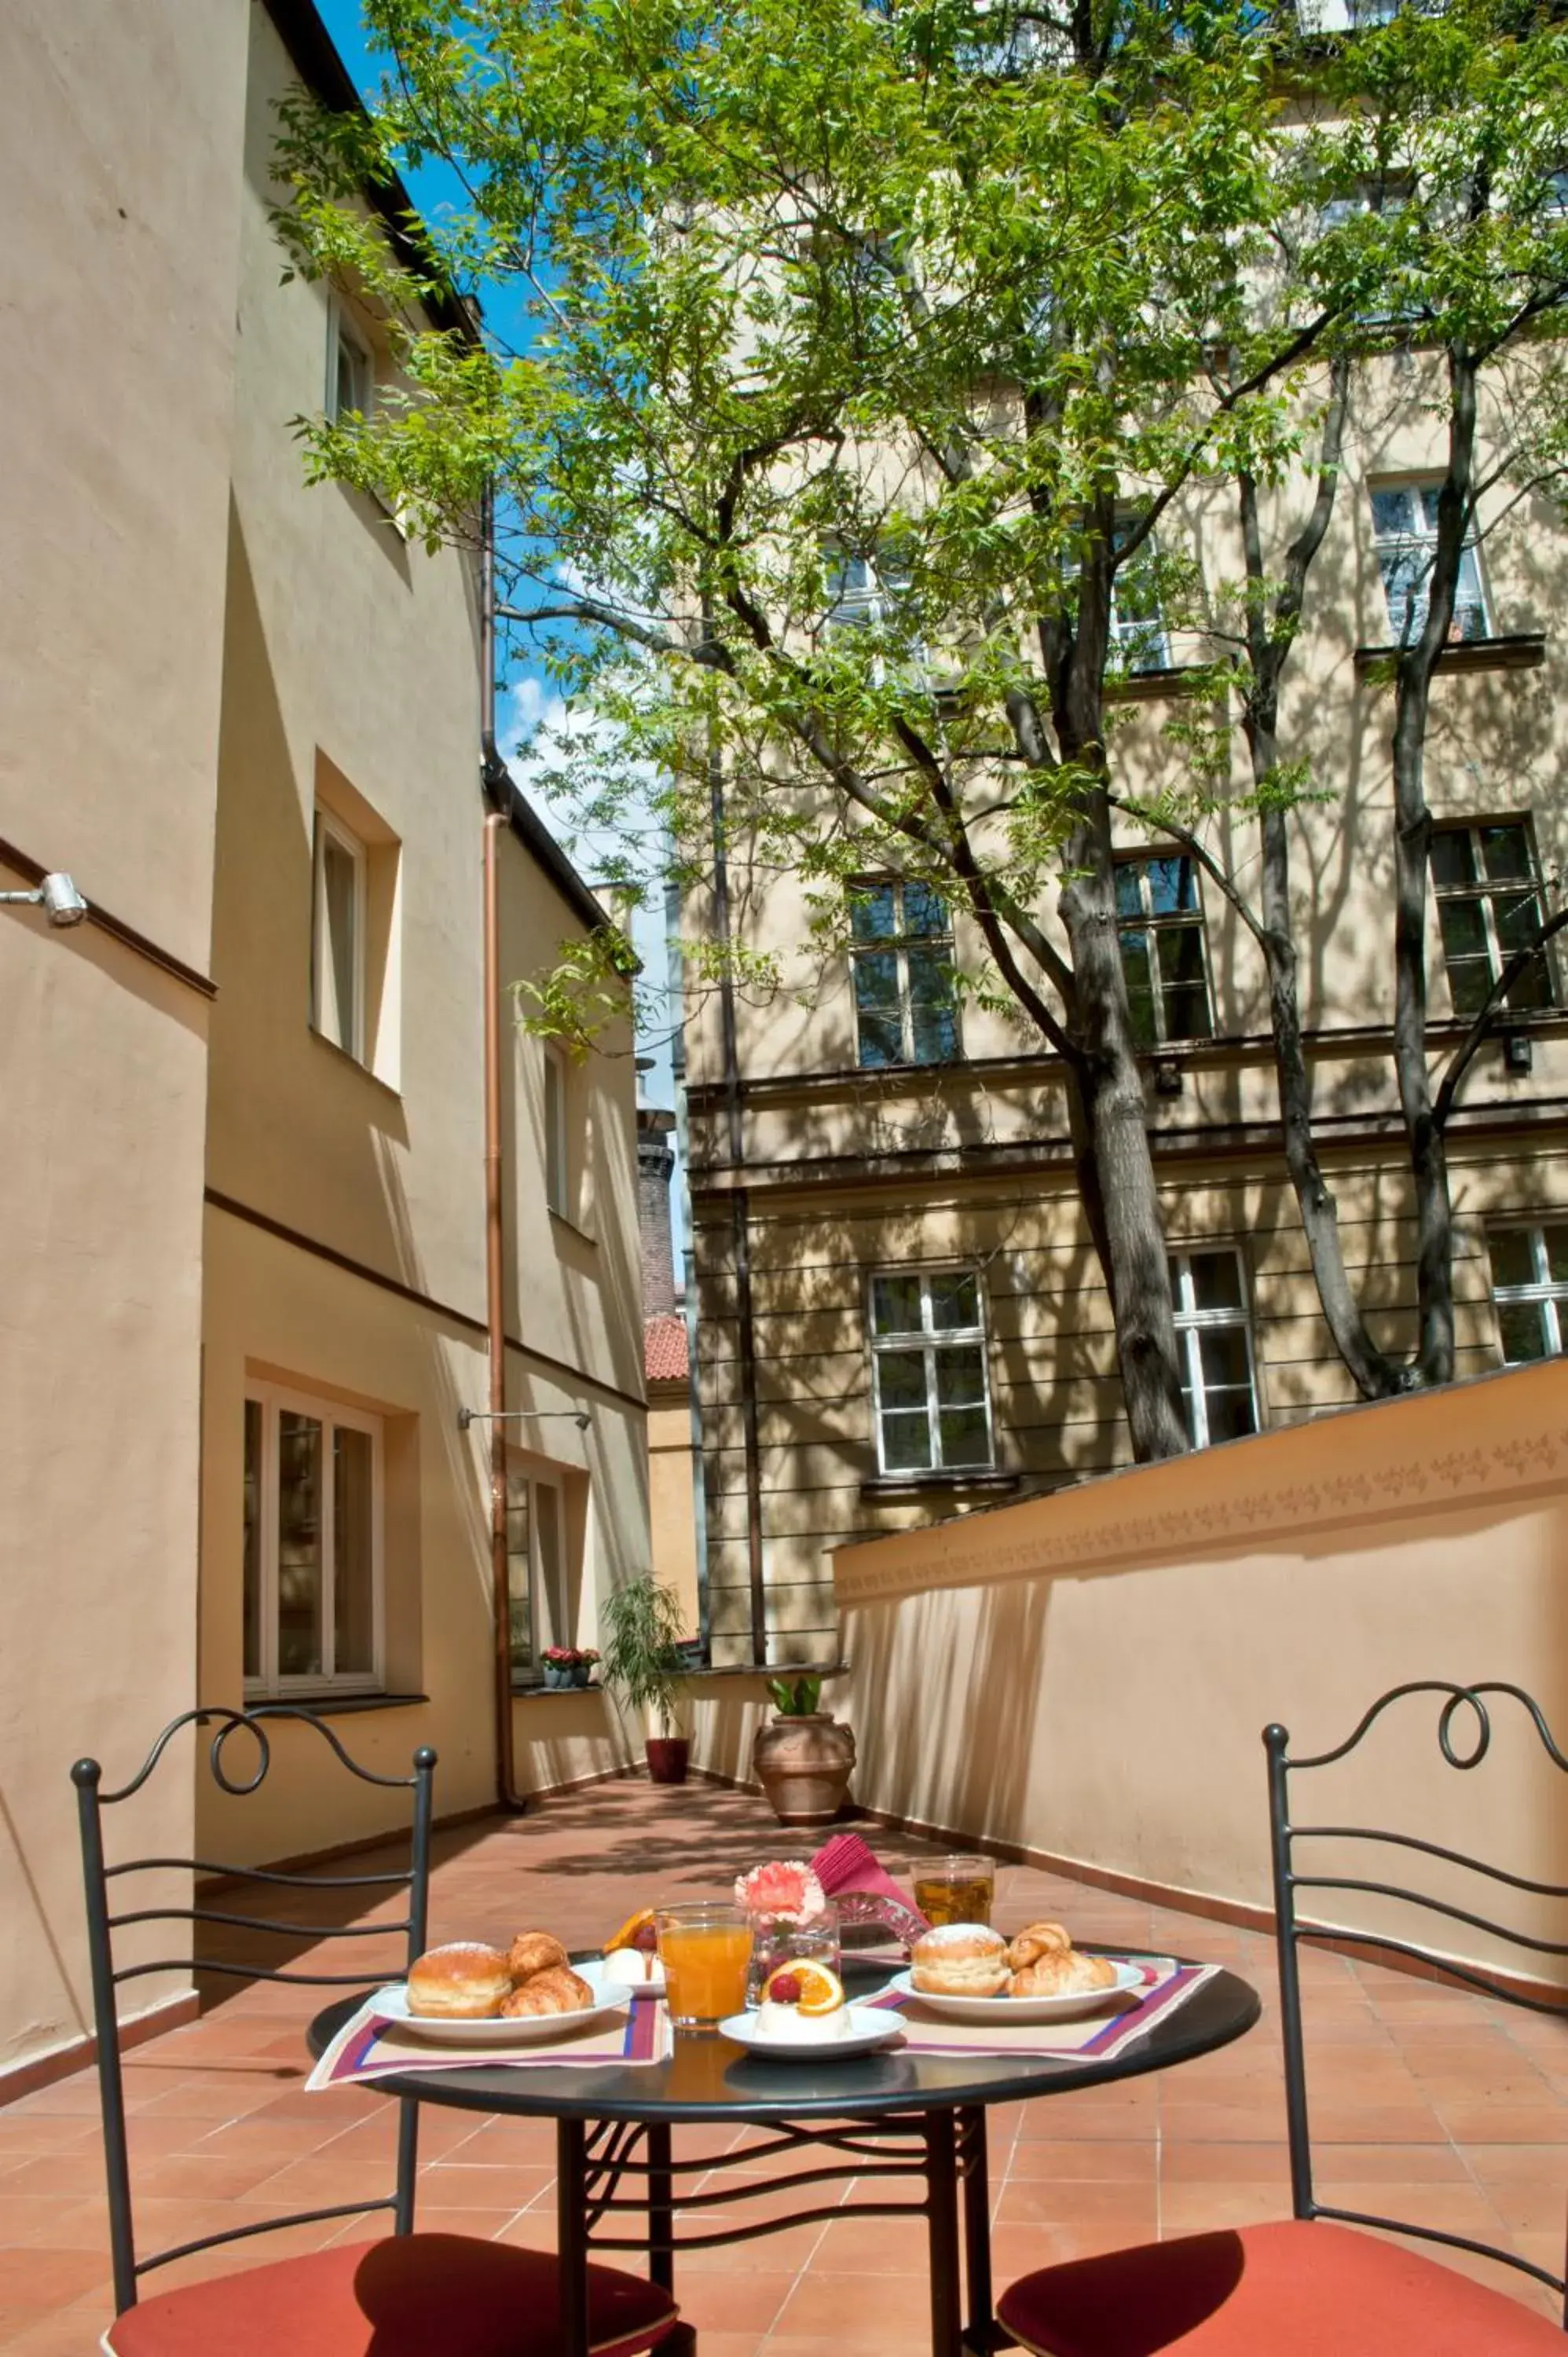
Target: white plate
{"points": [[392, 2005], [1021, 2009], [866, 2031]]}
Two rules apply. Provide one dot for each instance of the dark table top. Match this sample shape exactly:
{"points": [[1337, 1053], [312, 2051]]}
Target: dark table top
{"points": [[712, 2078]]}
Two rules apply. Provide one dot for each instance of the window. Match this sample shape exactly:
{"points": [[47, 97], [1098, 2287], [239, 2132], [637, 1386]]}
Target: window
{"points": [[1489, 906], [864, 591], [902, 956], [350, 369], [1214, 1342], [931, 1391], [557, 1138], [338, 966], [1159, 919], [1137, 625], [1404, 529], [312, 1545], [536, 1566], [1529, 1285]]}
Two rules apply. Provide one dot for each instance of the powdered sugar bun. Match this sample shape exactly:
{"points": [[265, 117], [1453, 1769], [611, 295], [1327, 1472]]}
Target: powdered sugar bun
{"points": [[960, 1960]]}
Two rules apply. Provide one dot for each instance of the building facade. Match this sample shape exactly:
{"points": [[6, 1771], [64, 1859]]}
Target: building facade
{"points": [[245, 1186], [901, 1313]]}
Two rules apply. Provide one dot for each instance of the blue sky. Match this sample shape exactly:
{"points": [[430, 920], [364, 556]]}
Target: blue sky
{"points": [[527, 699]]}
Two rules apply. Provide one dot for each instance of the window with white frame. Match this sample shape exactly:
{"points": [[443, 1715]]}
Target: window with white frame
{"points": [[931, 1388], [557, 1133], [1159, 923], [864, 590], [1138, 635], [351, 366], [1488, 896], [536, 1565], [1214, 1340], [1405, 532], [901, 953], [1530, 1286], [312, 1549], [338, 962]]}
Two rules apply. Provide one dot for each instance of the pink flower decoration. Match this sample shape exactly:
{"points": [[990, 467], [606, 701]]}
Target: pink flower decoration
{"points": [[787, 1890]]}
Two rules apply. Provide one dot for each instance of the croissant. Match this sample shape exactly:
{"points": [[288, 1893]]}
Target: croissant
{"points": [[1059, 1975], [558, 1989], [535, 1951], [1038, 1939]]}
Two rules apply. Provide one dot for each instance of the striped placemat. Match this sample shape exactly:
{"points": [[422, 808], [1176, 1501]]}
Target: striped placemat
{"points": [[1099, 2036], [371, 2047]]}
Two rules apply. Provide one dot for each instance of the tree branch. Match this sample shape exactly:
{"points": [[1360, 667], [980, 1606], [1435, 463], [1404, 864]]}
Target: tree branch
{"points": [[1464, 1055]]}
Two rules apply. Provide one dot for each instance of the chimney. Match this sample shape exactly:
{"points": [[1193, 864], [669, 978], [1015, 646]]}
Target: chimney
{"points": [[655, 1162]]}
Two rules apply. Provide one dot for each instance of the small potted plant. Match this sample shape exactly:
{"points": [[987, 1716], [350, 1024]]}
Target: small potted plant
{"points": [[560, 1666], [803, 1757], [642, 1666], [584, 1667]]}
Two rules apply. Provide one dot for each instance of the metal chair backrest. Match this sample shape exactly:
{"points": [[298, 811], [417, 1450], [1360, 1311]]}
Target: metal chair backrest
{"points": [[1291, 1932], [103, 1923]]}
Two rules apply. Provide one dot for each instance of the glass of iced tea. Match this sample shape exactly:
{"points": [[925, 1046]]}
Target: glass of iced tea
{"points": [[706, 1949], [955, 1889]]}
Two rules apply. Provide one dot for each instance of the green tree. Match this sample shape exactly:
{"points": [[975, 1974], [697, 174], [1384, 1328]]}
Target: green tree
{"points": [[949, 301]]}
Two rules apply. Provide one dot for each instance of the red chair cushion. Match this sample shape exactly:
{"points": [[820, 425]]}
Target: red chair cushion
{"points": [[410, 2296], [1302, 2289]]}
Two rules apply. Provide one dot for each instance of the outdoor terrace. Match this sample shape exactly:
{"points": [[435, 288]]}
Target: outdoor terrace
{"points": [[1440, 2104]]}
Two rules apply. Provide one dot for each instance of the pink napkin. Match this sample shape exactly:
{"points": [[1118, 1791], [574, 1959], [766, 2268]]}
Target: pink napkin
{"points": [[864, 1891]]}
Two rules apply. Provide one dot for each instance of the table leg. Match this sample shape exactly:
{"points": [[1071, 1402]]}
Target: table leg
{"points": [[572, 2234], [941, 2225], [661, 2209], [976, 2226]]}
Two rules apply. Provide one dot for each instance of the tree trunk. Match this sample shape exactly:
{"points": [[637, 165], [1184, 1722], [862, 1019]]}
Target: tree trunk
{"points": [[1412, 843]]}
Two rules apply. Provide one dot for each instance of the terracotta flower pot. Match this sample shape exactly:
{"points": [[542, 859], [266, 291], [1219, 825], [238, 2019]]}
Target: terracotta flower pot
{"points": [[667, 1758], [804, 1766]]}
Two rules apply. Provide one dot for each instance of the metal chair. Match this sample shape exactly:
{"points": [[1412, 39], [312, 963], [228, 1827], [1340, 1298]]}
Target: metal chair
{"points": [[409, 2296], [1311, 2286]]}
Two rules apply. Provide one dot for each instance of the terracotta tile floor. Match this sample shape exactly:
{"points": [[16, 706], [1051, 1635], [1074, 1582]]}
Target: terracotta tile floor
{"points": [[1442, 2105]]}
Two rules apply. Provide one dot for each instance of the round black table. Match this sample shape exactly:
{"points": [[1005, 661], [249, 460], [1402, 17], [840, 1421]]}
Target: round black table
{"points": [[884, 2116]]}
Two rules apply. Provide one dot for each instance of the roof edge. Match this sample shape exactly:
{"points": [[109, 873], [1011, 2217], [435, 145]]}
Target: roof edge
{"points": [[504, 794]]}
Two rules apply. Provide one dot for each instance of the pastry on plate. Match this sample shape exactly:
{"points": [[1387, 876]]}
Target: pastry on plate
{"points": [[558, 1989], [464, 1981], [1037, 1940], [535, 1952], [803, 2004], [1054, 1974], [960, 1960]]}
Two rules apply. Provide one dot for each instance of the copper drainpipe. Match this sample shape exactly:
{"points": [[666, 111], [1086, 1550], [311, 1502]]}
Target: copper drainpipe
{"points": [[506, 1793]]}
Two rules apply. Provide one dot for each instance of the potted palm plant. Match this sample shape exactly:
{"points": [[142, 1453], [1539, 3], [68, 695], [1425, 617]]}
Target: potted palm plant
{"points": [[641, 1621], [803, 1757]]}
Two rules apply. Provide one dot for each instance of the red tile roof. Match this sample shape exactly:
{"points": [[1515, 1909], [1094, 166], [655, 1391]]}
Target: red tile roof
{"points": [[664, 1356]]}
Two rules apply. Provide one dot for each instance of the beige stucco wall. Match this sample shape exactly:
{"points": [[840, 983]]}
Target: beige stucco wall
{"points": [[117, 135], [1087, 1675], [671, 1497]]}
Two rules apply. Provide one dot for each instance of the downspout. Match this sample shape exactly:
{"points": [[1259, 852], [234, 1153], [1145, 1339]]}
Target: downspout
{"points": [[497, 789]]}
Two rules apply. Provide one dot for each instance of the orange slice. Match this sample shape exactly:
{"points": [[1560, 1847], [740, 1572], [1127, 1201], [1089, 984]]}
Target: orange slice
{"points": [[821, 1991], [626, 1936]]}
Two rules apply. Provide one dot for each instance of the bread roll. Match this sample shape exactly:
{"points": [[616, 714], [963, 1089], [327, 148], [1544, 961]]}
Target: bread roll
{"points": [[464, 1981], [558, 1989], [960, 1960], [1055, 1974], [1037, 1940], [535, 1952]]}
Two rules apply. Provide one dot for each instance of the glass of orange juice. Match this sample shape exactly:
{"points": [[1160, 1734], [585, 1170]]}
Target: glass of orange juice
{"points": [[705, 1948]]}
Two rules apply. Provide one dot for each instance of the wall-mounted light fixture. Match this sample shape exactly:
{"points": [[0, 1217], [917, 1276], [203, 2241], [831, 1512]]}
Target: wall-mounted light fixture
{"points": [[1517, 1055], [57, 896]]}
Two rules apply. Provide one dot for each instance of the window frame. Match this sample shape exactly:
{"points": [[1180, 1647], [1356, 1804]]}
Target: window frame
{"points": [[1126, 629], [527, 1667], [343, 329], [1417, 485], [1177, 921], [929, 1341], [268, 1682], [555, 1136], [1192, 1322], [1484, 890], [1544, 1291], [899, 945], [329, 826]]}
